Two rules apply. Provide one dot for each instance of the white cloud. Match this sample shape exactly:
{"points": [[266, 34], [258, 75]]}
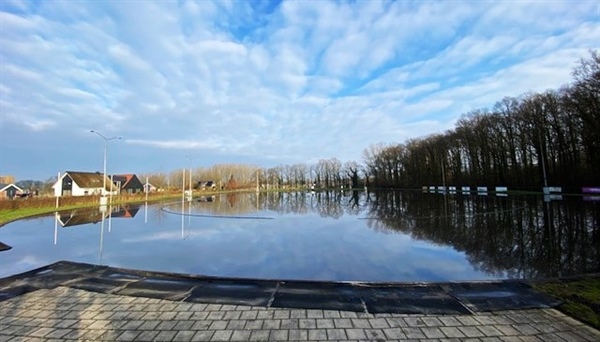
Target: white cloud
{"points": [[303, 80]]}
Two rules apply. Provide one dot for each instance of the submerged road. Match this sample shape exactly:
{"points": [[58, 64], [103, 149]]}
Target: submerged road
{"points": [[69, 301]]}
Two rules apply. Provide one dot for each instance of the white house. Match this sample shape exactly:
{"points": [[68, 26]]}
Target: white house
{"points": [[73, 183]]}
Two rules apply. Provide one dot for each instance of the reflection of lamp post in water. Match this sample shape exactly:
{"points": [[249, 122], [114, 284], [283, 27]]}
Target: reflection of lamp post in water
{"points": [[189, 198], [106, 140], [101, 239]]}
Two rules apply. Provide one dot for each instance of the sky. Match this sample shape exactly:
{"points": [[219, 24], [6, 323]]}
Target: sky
{"points": [[265, 83]]}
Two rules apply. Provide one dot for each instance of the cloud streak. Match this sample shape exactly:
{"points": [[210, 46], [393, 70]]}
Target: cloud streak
{"points": [[268, 83]]}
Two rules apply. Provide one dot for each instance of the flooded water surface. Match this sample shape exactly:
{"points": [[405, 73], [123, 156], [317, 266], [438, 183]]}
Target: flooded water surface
{"points": [[345, 236]]}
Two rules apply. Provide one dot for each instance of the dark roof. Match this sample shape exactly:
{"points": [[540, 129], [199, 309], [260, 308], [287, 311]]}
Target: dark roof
{"points": [[124, 179], [6, 186], [89, 179]]}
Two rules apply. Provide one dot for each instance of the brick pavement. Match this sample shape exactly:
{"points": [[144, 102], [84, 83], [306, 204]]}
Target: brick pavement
{"points": [[68, 314]]}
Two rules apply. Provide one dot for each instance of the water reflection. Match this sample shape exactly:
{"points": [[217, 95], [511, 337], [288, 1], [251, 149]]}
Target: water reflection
{"points": [[516, 237], [523, 237], [351, 235], [87, 216]]}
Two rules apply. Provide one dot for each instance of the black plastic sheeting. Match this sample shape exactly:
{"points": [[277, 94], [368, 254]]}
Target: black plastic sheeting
{"points": [[403, 298]]}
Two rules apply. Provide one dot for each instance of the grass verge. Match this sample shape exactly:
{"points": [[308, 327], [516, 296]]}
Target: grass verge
{"points": [[581, 297]]}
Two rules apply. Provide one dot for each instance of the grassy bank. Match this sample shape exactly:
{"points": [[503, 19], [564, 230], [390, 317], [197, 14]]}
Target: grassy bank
{"points": [[581, 297]]}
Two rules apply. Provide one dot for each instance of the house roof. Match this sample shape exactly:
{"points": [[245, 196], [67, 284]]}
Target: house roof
{"points": [[4, 187], [89, 179], [124, 179]]}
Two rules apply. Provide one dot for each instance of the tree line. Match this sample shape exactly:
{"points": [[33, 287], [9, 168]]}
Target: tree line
{"points": [[538, 138]]}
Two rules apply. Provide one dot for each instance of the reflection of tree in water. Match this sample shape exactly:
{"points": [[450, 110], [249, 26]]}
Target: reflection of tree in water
{"points": [[327, 204], [524, 239], [503, 236]]}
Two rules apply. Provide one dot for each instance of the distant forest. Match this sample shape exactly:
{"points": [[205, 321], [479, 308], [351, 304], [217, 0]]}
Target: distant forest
{"points": [[556, 133]]}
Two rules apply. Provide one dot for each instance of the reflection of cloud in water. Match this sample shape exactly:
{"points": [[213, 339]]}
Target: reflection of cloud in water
{"points": [[298, 244], [170, 235]]}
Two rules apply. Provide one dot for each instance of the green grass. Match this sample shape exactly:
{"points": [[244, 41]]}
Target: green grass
{"points": [[581, 297]]}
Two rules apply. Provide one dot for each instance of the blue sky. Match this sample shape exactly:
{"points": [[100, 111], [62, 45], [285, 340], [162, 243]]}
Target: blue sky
{"points": [[263, 82]]}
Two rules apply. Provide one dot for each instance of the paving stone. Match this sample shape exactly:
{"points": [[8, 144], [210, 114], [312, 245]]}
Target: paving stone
{"points": [[128, 335], [307, 323], [298, 335], [58, 333], [204, 335], [374, 334], [331, 314], [278, 335], [166, 325], [360, 323], [336, 334], [249, 314], [571, 336], [266, 314], [298, 313], [394, 334], [221, 335], [254, 325], [452, 332], [236, 325], [526, 329], [201, 325], [290, 324], [145, 336], [229, 315], [431, 332], [41, 332], [240, 335], [342, 323], [356, 334], [325, 323], [314, 313], [378, 323], [218, 325], [259, 335], [164, 335], [317, 334], [489, 331], [413, 333], [471, 331], [552, 338], [271, 324]]}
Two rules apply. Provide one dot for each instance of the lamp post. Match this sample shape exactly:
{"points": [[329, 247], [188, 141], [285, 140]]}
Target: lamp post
{"points": [[106, 140], [190, 186]]}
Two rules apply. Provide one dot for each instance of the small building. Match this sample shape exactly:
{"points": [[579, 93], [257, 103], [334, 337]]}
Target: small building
{"points": [[128, 184], [206, 185], [9, 191], [149, 188], [73, 183]]}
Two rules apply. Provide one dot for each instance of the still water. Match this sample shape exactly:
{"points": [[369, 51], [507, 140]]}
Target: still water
{"points": [[361, 236]]}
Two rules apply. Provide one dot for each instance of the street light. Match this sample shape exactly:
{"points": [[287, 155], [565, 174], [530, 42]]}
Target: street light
{"points": [[106, 140], [190, 159]]}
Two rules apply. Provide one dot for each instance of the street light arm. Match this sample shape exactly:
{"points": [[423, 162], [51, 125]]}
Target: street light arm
{"points": [[103, 137]]}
